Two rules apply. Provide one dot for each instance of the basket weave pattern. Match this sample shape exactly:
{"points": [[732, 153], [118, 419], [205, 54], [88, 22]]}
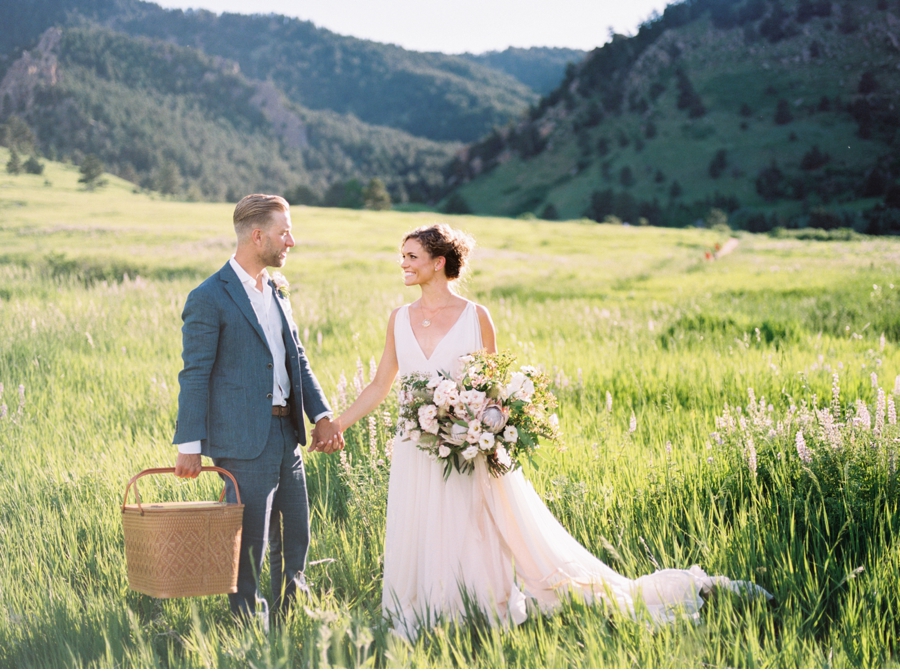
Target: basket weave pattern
{"points": [[181, 550]]}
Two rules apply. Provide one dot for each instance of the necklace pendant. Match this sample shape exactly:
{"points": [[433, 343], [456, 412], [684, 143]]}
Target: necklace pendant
{"points": [[426, 323]]}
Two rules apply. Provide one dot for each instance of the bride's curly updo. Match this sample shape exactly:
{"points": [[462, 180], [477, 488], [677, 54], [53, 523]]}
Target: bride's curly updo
{"points": [[443, 240]]}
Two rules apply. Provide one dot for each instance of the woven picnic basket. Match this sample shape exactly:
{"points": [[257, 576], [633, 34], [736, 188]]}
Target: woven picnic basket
{"points": [[182, 549]]}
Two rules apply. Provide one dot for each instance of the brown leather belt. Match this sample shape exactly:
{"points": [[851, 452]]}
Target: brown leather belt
{"points": [[281, 410]]}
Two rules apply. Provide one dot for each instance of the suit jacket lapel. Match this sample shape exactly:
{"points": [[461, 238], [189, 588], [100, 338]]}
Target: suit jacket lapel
{"points": [[239, 295], [285, 324]]}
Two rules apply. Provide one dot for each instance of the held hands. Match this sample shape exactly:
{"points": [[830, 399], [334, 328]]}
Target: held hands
{"points": [[326, 437], [187, 465]]}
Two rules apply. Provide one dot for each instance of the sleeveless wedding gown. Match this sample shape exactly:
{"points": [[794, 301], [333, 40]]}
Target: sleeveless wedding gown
{"points": [[491, 542]]}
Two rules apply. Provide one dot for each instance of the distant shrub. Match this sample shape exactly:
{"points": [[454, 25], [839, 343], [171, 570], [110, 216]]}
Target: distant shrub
{"points": [[301, 194], [867, 83], [659, 177], [688, 98], [746, 110], [91, 170], [882, 220], [550, 213], [770, 183], [33, 166], [675, 191], [719, 164], [14, 164], [824, 104], [822, 218], [626, 177], [849, 23], [814, 159], [650, 130], [376, 196], [783, 113], [808, 10], [603, 146], [456, 204], [347, 194]]}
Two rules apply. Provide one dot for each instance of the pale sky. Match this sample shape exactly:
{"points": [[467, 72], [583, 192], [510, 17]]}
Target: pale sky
{"points": [[456, 26]]}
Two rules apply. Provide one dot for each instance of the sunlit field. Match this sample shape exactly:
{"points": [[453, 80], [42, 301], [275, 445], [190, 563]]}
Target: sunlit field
{"points": [[734, 413]]}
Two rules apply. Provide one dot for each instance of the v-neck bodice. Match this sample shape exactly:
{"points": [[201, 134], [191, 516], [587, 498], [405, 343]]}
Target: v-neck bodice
{"points": [[464, 337]]}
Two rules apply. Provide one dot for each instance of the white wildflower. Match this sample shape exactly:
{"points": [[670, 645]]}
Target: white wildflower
{"points": [[880, 409], [802, 450], [863, 418], [358, 379], [750, 451]]}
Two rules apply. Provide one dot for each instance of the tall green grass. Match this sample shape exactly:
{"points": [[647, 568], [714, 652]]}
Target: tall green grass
{"points": [[647, 343]]}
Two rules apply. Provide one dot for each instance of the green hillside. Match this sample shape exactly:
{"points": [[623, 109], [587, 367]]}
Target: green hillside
{"points": [[539, 68], [176, 120], [445, 98], [777, 112]]}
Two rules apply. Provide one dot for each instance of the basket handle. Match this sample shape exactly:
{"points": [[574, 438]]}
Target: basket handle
{"points": [[170, 469]]}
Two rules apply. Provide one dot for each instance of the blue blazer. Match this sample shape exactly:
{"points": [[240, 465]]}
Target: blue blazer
{"points": [[226, 384]]}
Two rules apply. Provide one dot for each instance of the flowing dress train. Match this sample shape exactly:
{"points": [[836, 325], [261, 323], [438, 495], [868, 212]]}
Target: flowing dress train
{"points": [[491, 542]]}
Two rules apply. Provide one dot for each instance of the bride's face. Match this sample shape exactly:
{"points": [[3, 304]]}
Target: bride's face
{"points": [[416, 263]]}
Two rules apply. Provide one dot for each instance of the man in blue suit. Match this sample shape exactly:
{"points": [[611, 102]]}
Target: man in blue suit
{"points": [[245, 385]]}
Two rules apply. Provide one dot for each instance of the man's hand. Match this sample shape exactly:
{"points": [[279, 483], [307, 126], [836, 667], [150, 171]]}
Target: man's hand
{"points": [[326, 437], [187, 465]]}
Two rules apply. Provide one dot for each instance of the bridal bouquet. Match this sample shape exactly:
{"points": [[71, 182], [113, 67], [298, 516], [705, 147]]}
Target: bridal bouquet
{"points": [[487, 410]]}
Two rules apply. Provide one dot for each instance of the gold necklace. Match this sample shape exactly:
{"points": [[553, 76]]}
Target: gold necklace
{"points": [[427, 321]]}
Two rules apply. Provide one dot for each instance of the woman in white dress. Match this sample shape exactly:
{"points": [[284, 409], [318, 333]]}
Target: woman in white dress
{"points": [[473, 539]]}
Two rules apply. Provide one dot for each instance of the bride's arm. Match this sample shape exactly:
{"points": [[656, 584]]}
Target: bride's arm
{"points": [[380, 386], [488, 335]]}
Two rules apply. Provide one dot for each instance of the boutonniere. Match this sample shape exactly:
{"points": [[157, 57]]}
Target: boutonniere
{"points": [[281, 285]]}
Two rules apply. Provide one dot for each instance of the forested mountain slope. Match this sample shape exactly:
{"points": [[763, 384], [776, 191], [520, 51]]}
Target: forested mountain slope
{"points": [[180, 121], [440, 97], [774, 112]]}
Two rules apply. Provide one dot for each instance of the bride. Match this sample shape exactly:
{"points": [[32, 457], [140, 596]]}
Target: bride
{"points": [[473, 539]]}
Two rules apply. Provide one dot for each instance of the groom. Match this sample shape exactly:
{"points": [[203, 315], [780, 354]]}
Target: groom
{"points": [[245, 384]]}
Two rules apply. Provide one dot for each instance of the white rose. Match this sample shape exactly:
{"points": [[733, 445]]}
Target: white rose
{"points": [[486, 441], [515, 384], [427, 413], [460, 411], [431, 425], [527, 390], [434, 382], [473, 433], [470, 452], [414, 436], [409, 425], [443, 451], [510, 434]]}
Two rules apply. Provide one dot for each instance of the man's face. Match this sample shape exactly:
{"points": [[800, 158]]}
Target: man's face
{"points": [[276, 240]]}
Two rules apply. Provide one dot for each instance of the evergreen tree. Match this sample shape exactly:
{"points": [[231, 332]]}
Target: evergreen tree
{"points": [[91, 172], [33, 166], [13, 165], [168, 179], [376, 196]]}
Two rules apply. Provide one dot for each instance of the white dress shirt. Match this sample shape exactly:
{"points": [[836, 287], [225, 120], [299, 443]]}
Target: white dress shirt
{"points": [[269, 317]]}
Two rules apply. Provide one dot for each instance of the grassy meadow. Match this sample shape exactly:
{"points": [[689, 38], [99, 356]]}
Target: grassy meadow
{"points": [[670, 459]]}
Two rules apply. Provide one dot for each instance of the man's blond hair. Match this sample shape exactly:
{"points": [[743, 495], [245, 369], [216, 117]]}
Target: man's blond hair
{"points": [[255, 211]]}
